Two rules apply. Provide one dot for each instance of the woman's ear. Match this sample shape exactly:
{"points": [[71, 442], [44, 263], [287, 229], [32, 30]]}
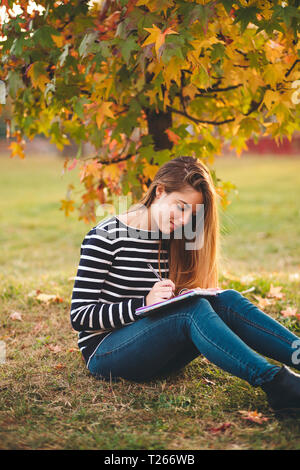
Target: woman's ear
{"points": [[159, 190]]}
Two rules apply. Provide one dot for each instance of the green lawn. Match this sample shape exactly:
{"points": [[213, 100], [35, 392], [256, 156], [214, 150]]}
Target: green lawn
{"points": [[48, 400]]}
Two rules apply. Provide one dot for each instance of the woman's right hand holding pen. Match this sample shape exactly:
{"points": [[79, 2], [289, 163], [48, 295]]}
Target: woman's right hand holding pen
{"points": [[161, 290]]}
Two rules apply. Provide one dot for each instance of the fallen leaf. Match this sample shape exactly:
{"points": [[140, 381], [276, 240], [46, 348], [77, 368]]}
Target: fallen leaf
{"points": [[15, 316], [262, 302], [73, 350], [253, 416], [289, 312], [48, 298], [275, 292], [59, 366], [220, 428], [54, 348]]}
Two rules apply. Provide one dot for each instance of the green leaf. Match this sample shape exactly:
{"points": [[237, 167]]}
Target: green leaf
{"points": [[127, 47], [42, 36], [17, 47], [227, 5], [217, 52], [14, 83], [246, 16]]}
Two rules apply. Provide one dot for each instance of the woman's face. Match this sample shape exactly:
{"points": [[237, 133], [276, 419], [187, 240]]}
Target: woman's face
{"points": [[170, 211]]}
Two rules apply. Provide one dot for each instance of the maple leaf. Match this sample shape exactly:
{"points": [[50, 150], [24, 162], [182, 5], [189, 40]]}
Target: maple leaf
{"points": [[149, 171], [253, 416], [262, 302], [275, 292], [290, 312], [157, 37], [38, 75], [172, 136], [17, 149], [104, 111], [67, 206], [220, 428]]}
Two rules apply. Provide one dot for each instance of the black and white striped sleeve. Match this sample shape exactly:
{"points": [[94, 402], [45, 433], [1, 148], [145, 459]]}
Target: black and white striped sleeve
{"points": [[87, 311]]}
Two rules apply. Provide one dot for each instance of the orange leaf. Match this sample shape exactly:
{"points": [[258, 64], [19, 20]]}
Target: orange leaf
{"points": [[253, 416], [59, 366], [17, 149], [172, 136]]}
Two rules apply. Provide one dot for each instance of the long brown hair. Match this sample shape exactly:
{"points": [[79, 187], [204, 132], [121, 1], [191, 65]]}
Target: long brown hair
{"points": [[196, 267]]}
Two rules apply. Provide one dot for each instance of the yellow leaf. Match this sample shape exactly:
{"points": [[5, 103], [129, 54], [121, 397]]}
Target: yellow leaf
{"points": [[17, 149], [67, 206], [270, 99], [103, 112], [111, 172], [172, 71], [157, 37], [59, 40], [38, 79], [149, 170], [152, 95], [273, 51]]}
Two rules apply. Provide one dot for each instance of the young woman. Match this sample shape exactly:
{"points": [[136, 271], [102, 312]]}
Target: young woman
{"points": [[114, 279]]}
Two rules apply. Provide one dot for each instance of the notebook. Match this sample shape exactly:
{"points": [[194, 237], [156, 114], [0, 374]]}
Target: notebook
{"points": [[144, 311]]}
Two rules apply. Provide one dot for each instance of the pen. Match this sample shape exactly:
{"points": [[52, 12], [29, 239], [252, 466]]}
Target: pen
{"points": [[156, 274]]}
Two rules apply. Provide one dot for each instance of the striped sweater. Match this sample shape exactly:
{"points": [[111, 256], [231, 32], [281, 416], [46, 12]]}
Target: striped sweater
{"points": [[113, 279]]}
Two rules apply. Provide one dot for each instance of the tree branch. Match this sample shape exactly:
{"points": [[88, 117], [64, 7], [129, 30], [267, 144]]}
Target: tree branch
{"points": [[291, 68]]}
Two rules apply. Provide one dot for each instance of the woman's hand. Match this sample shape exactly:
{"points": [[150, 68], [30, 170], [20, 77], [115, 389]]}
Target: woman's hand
{"points": [[161, 290]]}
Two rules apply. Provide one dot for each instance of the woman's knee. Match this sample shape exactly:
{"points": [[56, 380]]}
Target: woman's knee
{"points": [[230, 295], [203, 308]]}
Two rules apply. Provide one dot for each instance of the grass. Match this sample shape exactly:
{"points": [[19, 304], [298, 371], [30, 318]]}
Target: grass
{"points": [[48, 400]]}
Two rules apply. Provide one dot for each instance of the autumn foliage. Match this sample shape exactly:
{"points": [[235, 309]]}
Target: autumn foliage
{"points": [[145, 81]]}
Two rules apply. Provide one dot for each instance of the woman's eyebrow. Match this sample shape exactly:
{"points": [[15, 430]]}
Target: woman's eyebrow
{"points": [[184, 202]]}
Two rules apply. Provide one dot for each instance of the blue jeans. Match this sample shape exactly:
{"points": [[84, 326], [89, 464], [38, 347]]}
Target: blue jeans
{"points": [[228, 329]]}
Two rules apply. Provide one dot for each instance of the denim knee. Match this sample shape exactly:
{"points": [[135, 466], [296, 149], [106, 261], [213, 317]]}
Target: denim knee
{"points": [[201, 307]]}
